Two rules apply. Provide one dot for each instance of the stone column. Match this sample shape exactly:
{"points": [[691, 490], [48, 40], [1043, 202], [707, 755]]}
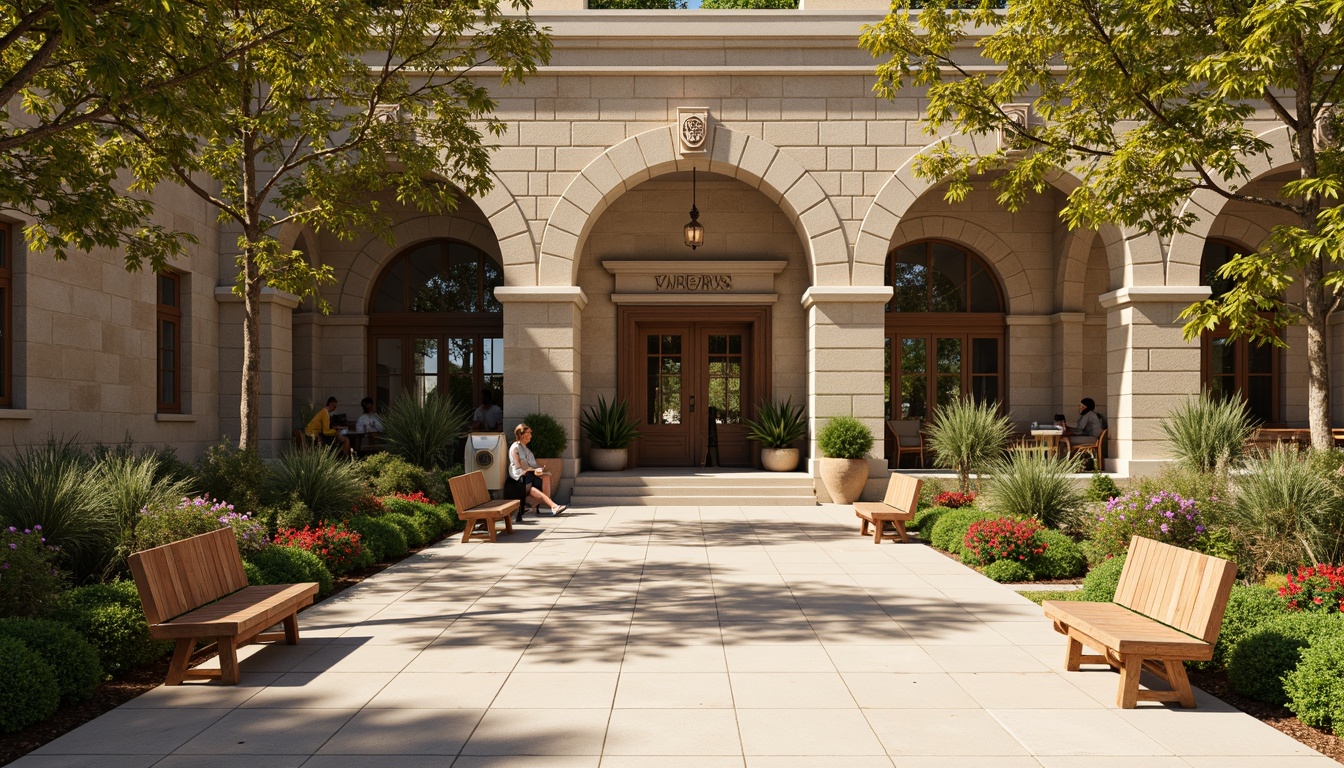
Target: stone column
{"points": [[542, 350], [846, 330], [1068, 362], [1149, 367], [277, 360]]}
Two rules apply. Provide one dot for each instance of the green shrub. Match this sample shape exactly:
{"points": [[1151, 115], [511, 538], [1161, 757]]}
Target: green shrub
{"points": [[1248, 606], [321, 478], [28, 689], [109, 617], [926, 518], [845, 437], [436, 483], [52, 486], [548, 437], [777, 425], [609, 425], [1285, 514], [1062, 558], [1032, 484], [1101, 582], [128, 484], [1209, 433], [73, 660], [1063, 595], [412, 530], [238, 477], [950, 531], [382, 539], [290, 513], [423, 430], [967, 436], [289, 565], [1101, 488], [1258, 663], [388, 473], [1315, 688], [253, 574], [30, 581], [929, 490], [185, 518], [433, 520], [1005, 571]]}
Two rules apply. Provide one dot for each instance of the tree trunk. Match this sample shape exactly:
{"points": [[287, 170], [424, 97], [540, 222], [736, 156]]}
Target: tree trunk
{"points": [[1318, 358], [250, 407]]}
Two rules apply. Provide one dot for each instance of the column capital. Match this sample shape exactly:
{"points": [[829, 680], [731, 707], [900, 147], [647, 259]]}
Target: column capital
{"points": [[224, 295], [1154, 294], [848, 294], [563, 294]]}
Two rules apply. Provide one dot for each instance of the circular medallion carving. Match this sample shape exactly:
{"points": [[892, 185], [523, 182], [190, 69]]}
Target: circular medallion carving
{"points": [[693, 131]]}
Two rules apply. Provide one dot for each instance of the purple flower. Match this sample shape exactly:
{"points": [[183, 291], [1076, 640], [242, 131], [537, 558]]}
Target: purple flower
{"points": [[1165, 529], [13, 546]]}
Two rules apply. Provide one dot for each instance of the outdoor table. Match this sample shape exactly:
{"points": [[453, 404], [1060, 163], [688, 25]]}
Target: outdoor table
{"points": [[1047, 440]]}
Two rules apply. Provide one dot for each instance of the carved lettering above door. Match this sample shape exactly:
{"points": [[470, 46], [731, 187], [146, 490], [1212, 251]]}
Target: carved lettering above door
{"points": [[693, 282]]}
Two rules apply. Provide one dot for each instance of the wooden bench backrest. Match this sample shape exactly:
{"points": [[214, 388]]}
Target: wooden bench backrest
{"points": [[183, 576], [468, 490], [902, 492], [1178, 587]]}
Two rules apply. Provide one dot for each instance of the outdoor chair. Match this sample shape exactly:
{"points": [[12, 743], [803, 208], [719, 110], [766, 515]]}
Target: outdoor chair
{"points": [[909, 439]]}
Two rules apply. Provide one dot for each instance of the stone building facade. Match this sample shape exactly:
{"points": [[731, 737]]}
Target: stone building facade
{"points": [[830, 272]]}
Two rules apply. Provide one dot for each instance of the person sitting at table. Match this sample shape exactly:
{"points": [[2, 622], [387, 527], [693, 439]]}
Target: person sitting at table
{"points": [[320, 429], [1064, 430], [369, 421], [535, 480], [488, 417], [1089, 425]]}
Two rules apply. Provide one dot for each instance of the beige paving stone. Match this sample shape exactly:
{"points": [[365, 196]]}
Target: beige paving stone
{"points": [[1129, 761], [906, 691], [360, 658], [1217, 733], [674, 658], [790, 690], [86, 761], [670, 761], [1077, 732], [672, 732], [965, 761], [570, 690], [1024, 690], [801, 732], [778, 658], [674, 690], [539, 732], [466, 658], [312, 690], [818, 761], [134, 732], [942, 732], [526, 761], [1242, 761], [404, 732], [382, 761], [233, 761], [984, 658], [206, 694], [291, 731], [439, 690], [907, 659]]}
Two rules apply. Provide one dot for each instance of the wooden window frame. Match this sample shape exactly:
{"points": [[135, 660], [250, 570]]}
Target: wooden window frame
{"points": [[1240, 350], [165, 312]]}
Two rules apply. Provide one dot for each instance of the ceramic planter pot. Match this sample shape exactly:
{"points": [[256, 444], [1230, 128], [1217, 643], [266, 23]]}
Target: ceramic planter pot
{"points": [[844, 478], [608, 459], [554, 467], [779, 459]]}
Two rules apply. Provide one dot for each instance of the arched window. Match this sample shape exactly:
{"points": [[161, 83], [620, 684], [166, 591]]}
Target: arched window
{"points": [[1237, 368], [944, 330], [434, 325]]}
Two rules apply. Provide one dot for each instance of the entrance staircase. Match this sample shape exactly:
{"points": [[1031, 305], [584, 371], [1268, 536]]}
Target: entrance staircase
{"points": [[692, 487]]}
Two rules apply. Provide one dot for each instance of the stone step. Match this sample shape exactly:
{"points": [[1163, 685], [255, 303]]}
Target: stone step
{"points": [[701, 489], [693, 488], [778, 500], [743, 480]]}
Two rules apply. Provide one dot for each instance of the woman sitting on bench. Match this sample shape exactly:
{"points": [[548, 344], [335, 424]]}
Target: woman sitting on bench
{"points": [[523, 467]]}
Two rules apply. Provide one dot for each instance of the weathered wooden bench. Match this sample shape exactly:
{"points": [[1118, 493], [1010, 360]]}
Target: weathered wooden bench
{"points": [[474, 505], [195, 589], [1168, 609], [896, 507]]}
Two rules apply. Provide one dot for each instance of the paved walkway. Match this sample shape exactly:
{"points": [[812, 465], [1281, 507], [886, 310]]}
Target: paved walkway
{"points": [[655, 636]]}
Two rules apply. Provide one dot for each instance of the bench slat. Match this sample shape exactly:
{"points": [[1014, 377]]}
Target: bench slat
{"points": [[239, 614], [180, 577], [1126, 632], [1178, 587]]}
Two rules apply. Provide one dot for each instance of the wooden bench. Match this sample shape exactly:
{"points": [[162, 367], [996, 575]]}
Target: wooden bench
{"points": [[195, 589], [1168, 609], [896, 507], [474, 505]]}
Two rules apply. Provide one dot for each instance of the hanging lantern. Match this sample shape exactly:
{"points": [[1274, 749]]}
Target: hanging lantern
{"points": [[693, 234]]}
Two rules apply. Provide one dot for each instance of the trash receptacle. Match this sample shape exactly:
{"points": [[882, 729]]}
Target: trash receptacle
{"points": [[487, 452]]}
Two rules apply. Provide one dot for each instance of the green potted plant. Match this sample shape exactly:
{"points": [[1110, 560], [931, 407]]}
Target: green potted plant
{"points": [[548, 442], [611, 430], [844, 443], [776, 427]]}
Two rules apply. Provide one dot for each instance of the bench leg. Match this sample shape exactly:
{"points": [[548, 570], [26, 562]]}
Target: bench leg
{"points": [[900, 529], [1180, 684], [228, 660], [877, 531], [490, 529], [863, 527], [469, 524], [508, 523], [1073, 655], [292, 629], [1128, 695], [177, 668]]}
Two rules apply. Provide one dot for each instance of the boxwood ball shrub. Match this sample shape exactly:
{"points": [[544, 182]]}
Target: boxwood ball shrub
{"points": [[288, 565], [73, 660], [548, 437], [926, 518], [1248, 606], [1315, 688], [28, 689], [383, 539], [1257, 665], [1062, 557], [950, 530], [1007, 571], [1100, 583], [109, 617], [387, 473], [415, 535], [845, 437]]}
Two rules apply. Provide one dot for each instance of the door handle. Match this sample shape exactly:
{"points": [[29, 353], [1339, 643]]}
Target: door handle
{"points": [[692, 404]]}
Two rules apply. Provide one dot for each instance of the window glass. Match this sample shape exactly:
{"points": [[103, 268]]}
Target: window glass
{"points": [[947, 279], [391, 295]]}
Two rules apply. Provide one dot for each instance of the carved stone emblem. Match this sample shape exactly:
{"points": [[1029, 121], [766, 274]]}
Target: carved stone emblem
{"points": [[1020, 114], [693, 130], [1327, 124], [387, 113]]}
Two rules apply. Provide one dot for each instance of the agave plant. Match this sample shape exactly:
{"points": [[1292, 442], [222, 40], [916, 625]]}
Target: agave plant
{"points": [[967, 435], [1034, 484], [51, 485], [1285, 513], [777, 425], [1207, 433], [609, 424], [320, 477], [423, 431]]}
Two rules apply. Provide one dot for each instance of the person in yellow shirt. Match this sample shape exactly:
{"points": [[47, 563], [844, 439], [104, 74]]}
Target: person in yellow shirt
{"points": [[320, 428]]}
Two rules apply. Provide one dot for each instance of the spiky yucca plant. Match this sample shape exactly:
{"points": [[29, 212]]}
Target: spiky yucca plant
{"points": [[1030, 483], [777, 425], [321, 478], [609, 424], [52, 485], [1285, 513], [1207, 433], [967, 436], [422, 431]]}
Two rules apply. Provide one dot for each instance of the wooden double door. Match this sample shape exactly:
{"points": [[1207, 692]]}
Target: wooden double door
{"points": [[689, 372]]}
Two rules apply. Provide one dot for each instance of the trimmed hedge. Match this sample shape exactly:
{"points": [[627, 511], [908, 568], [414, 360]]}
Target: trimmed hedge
{"points": [[1005, 571], [109, 617], [72, 659], [1062, 558], [288, 565], [1315, 688], [926, 518], [410, 528], [1100, 583], [950, 531], [1248, 606], [1259, 662], [29, 692], [381, 537]]}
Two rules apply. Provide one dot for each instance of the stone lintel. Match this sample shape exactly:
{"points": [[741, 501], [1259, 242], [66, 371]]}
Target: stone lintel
{"points": [[317, 318], [696, 299], [185, 418], [16, 414], [847, 294], [554, 294], [1068, 318], [1154, 294], [1016, 320], [224, 295]]}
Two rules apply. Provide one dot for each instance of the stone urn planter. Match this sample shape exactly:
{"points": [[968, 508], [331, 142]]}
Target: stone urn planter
{"points": [[779, 459], [844, 478], [555, 468], [608, 459]]}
